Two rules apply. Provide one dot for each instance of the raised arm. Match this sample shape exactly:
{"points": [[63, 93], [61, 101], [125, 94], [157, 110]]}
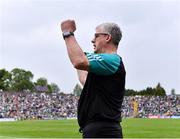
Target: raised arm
{"points": [[75, 53]]}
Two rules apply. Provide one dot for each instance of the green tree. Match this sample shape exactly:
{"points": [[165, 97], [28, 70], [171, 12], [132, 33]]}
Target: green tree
{"points": [[77, 90], [54, 88], [173, 92], [41, 85], [130, 92], [160, 91], [41, 81], [149, 91], [21, 80], [5, 79], [49, 88]]}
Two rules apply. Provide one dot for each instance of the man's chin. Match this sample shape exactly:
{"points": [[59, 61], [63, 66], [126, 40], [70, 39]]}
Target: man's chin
{"points": [[95, 52]]}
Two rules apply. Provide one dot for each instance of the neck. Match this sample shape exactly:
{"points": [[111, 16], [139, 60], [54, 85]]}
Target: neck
{"points": [[110, 52], [110, 49]]}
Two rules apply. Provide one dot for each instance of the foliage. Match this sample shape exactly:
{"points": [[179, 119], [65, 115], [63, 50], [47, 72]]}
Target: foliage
{"points": [[77, 90], [149, 91], [54, 88], [41, 85], [173, 92], [41, 81], [5, 79], [21, 80]]}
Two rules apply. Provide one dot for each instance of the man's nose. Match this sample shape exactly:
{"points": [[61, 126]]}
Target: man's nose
{"points": [[93, 41]]}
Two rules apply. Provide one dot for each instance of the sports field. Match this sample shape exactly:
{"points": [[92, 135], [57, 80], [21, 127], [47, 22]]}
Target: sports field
{"points": [[132, 128]]}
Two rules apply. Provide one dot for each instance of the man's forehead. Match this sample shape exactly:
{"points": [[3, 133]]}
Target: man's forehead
{"points": [[98, 29]]}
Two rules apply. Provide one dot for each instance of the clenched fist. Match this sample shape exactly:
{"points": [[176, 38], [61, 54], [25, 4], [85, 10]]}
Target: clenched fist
{"points": [[68, 25]]}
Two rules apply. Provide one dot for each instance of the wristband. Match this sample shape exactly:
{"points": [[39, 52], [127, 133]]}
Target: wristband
{"points": [[66, 34]]}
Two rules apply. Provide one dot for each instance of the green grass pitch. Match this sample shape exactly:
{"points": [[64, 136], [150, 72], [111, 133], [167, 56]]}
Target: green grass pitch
{"points": [[132, 128]]}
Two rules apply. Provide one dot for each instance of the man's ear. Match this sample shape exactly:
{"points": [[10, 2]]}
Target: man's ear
{"points": [[108, 38]]}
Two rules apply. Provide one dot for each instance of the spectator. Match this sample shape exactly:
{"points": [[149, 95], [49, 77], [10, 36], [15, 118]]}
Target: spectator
{"points": [[55, 106]]}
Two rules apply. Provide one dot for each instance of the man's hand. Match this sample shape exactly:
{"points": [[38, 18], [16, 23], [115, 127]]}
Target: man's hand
{"points": [[68, 25]]}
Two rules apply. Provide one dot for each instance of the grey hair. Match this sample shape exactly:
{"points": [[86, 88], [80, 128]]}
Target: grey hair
{"points": [[112, 29]]}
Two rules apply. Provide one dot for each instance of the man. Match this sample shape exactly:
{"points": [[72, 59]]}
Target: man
{"points": [[103, 75]]}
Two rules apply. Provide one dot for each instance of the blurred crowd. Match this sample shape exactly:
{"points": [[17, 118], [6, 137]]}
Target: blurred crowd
{"points": [[57, 106], [37, 105], [146, 106]]}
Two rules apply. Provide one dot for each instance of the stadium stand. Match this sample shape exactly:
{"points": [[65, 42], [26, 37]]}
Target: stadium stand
{"points": [[149, 106], [23, 106]]}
